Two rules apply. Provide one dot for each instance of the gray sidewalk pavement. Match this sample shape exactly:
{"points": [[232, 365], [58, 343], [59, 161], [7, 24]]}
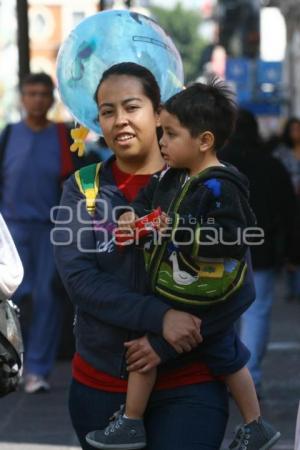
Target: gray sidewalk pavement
{"points": [[41, 422]]}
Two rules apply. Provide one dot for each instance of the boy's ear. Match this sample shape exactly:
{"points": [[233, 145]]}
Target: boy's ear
{"points": [[206, 141]]}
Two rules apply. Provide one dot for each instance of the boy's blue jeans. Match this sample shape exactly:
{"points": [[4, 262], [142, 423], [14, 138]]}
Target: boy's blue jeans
{"points": [[255, 322], [186, 418]]}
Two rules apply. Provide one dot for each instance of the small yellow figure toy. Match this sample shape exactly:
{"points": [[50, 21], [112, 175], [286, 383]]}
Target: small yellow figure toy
{"points": [[78, 135]]}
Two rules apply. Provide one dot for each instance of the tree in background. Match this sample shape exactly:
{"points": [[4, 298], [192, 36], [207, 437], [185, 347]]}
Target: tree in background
{"points": [[183, 25]]}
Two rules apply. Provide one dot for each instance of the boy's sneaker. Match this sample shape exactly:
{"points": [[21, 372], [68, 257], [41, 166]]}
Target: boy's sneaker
{"points": [[256, 435], [121, 433]]}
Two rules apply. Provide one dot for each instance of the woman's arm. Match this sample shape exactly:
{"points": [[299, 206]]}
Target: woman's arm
{"points": [[102, 294], [91, 289]]}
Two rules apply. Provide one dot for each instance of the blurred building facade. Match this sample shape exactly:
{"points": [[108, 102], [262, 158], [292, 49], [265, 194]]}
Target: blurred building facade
{"points": [[8, 62], [50, 21], [261, 39], [291, 12]]}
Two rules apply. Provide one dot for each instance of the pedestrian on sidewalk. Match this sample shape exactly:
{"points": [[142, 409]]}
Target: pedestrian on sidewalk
{"points": [[34, 160], [273, 201], [288, 152]]}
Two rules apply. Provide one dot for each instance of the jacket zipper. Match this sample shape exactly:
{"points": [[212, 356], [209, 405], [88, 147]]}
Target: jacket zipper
{"points": [[159, 251]]}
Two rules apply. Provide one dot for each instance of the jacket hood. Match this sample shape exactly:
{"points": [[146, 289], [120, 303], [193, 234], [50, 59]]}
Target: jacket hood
{"points": [[229, 173]]}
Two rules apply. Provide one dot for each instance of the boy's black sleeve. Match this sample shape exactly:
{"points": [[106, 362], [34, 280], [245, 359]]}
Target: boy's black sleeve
{"points": [[217, 232], [142, 204]]}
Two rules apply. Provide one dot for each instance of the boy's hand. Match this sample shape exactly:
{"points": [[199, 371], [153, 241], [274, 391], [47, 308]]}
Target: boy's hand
{"points": [[140, 356], [182, 330], [126, 220]]}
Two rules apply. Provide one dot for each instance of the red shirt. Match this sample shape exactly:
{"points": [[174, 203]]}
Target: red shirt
{"points": [[196, 372]]}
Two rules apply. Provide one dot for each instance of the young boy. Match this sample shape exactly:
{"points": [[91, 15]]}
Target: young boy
{"points": [[199, 259]]}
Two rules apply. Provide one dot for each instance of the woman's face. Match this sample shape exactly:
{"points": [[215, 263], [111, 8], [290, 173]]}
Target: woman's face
{"points": [[127, 117]]}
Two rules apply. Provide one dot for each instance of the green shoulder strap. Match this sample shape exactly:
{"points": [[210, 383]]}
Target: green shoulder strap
{"points": [[87, 179]]}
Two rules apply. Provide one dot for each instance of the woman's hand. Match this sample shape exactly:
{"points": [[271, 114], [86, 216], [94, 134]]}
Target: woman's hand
{"points": [[140, 356], [182, 330], [126, 220]]}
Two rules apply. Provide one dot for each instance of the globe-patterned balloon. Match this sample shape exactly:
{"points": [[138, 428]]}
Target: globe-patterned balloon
{"points": [[105, 39]]}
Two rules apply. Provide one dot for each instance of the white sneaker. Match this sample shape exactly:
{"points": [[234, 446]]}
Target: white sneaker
{"points": [[35, 383]]}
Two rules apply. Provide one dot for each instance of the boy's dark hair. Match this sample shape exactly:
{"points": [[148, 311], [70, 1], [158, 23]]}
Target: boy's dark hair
{"points": [[205, 107], [149, 83], [37, 78]]}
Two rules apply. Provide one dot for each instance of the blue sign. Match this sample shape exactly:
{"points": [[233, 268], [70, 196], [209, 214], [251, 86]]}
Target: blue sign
{"points": [[269, 72], [262, 108], [239, 71], [257, 84]]}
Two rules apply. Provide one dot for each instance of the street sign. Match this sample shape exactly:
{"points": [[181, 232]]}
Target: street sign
{"points": [[257, 84], [269, 72], [239, 72]]}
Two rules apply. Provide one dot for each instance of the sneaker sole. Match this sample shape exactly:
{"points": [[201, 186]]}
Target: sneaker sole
{"points": [[271, 442], [39, 390], [116, 446]]}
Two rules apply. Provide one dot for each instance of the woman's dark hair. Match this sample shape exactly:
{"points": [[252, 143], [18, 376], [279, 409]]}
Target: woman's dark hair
{"points": [[286, 135], [205, 107], [246, 128], [147, 79], [37, 78]]}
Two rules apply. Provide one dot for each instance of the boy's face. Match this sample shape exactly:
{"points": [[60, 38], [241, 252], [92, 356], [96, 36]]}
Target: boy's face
{"points": [[178, 147]]}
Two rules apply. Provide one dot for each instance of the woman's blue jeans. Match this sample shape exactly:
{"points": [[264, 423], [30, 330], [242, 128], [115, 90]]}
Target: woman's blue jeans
{"points": [[186, 418]]}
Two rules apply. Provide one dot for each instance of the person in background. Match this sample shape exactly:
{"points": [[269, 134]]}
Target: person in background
{"points": [[273, 202], [288, 152], [34, 161]]}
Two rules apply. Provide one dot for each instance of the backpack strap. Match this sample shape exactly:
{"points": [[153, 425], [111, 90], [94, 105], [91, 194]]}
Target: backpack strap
{"points": [[87, 179]]}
